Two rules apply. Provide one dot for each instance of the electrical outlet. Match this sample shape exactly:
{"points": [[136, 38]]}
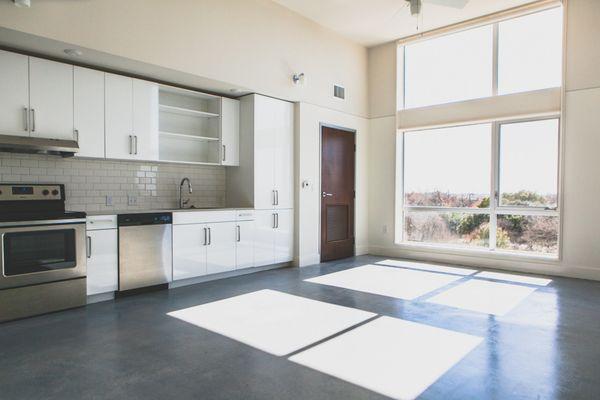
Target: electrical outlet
{"points": [[131, 200], [109, 200]]}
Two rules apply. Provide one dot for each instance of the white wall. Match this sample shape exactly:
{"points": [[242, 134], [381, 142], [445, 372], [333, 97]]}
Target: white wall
{"points": [[307, 145], [254, 44], [580, 245]]}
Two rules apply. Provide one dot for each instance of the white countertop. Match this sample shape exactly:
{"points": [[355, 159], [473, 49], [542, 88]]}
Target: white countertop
{"points": [[137, 211]]}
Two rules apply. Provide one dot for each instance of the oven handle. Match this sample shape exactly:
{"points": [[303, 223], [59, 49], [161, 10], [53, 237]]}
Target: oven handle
{"points": [[2, 253], [53, 223]]}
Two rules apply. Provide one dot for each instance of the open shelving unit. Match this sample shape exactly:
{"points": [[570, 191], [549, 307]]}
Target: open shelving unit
{"points": [[189, 126]]}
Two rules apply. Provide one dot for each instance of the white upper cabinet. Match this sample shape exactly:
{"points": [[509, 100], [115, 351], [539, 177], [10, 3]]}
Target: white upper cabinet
{"points": [[51, 99], [14, 94], [118, 116], [264, 148], [145, 120], [230, 132], [88, 85], [284, 154]]}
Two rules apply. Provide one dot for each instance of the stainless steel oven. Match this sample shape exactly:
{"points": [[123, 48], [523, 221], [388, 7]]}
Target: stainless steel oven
{"points": [[42, 251], [45, 252]]}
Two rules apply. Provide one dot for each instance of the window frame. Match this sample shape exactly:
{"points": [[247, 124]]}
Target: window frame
{"points": [[494, 210], [495, 62]]}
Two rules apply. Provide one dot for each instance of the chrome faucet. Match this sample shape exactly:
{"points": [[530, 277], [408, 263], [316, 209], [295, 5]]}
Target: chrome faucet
{"points": [[182, 202]]}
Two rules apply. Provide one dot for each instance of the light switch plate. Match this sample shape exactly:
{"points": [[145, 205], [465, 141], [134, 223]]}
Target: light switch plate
{"points": [[109, 200]]}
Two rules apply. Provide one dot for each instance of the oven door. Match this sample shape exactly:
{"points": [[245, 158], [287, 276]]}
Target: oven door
{"points": [[39, 254]]}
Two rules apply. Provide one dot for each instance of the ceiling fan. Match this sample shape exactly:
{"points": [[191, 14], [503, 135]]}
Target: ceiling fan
{"points": [[415, 5]]}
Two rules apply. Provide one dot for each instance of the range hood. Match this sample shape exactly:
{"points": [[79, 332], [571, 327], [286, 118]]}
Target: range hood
{"points": [[32, 145]]}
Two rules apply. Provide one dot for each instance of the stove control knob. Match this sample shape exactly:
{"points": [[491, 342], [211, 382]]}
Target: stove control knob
{"points": [[45, 192], [55, 192]]}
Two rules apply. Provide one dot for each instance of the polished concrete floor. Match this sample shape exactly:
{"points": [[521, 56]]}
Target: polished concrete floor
{"points": [[546, 347]]}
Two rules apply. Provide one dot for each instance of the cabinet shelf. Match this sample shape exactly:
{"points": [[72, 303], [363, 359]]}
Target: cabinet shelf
{"points": [[188, 137], [187, 111]]}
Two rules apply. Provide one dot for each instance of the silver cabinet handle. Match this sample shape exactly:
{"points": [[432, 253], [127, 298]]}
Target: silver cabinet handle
{"points": [[130, 144], [277, 220], [26, 118], [239, 233], [274, 221], [32, 120], [88, 248], [76, 134], [136, 143], [209, 237], [205, 237], [325, 194], [224, 152], [274, 203], [277, 197]]}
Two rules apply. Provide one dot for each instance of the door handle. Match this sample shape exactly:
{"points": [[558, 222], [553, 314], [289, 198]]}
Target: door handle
{"points": [[274, 221], [224, 152], [32, 120], [88, 248], [209, 237], [130, 144], [136, 143], [26, 118], [205, 237], [325, 194], [239, 234]]}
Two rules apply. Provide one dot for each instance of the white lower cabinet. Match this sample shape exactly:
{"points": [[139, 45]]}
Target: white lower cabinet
{"points": [[189, 251], [274, 238], [102, 261], [220, 251], [244, 249]]}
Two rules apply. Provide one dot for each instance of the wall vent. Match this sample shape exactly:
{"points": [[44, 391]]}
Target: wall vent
{"points": [[339, 92]]}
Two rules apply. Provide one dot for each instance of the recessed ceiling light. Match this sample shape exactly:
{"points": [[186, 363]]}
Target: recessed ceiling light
{"points": [[73, 52]]}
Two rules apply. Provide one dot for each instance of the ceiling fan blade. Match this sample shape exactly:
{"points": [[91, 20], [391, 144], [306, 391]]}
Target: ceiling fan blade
{"points": [[449, 3]]}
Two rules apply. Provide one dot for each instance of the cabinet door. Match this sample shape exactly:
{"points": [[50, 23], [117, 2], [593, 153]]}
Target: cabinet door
{"points": [[284, 236], [244, 250], [220, 252], [264, 237], [88, 87], [265, 127], [102, 262], [284, 155], [230, 132], [118, 116], [14, 94], [189, 251], [51, 99], [145, 120]]}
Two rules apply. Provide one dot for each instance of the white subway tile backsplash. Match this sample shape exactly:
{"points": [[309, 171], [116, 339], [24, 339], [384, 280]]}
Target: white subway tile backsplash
{"points": [[88, 182]]}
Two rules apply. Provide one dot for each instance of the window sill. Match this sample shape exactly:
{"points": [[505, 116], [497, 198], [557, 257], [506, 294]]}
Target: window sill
{"points": [[480, 253]]}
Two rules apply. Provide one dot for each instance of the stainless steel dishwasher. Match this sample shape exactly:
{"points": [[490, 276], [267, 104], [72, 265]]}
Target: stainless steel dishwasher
{"points": [[145, 250]]}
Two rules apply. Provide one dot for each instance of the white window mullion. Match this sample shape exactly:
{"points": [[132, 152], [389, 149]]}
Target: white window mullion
{"points": [[494, 184]]}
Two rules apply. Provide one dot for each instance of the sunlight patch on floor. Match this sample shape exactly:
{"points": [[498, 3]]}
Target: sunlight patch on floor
{"points": [[530, 280], [429, 267], [483, 296], [272, 321], [386, 281], [390, 356]]}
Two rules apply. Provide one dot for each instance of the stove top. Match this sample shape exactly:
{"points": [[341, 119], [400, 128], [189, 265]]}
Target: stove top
{"points": [[22, 202], [40, 216]]}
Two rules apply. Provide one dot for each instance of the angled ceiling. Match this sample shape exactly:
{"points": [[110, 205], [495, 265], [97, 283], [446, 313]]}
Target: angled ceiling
{"points": [[372, 22]]}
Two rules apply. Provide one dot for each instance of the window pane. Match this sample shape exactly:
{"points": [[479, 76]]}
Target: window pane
{"points": [[447, 228], [448, 167], [529, 164], [530, 52], [449, 68], [538, 234]]}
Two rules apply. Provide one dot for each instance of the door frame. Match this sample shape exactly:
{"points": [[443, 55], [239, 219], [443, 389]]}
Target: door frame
{"points": [[350, 131]]}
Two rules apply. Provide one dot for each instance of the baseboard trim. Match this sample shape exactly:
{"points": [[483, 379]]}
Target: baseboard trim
{"points": [[552, 269]]}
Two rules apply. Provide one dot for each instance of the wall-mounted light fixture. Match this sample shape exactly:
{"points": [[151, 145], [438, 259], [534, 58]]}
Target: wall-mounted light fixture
{"points": [[299, 79], [22, 3]]}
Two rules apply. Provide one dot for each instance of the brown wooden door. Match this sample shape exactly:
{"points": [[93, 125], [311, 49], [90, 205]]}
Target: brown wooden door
{"points": [[337, 193]]}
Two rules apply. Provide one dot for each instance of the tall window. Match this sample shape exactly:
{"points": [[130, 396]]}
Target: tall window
{"points": [[490, 186], [517, 55]]}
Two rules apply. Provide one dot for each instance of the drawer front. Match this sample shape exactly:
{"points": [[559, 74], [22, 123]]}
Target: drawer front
{"points": [[244, 215], [96, 222], [202, 217]]}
